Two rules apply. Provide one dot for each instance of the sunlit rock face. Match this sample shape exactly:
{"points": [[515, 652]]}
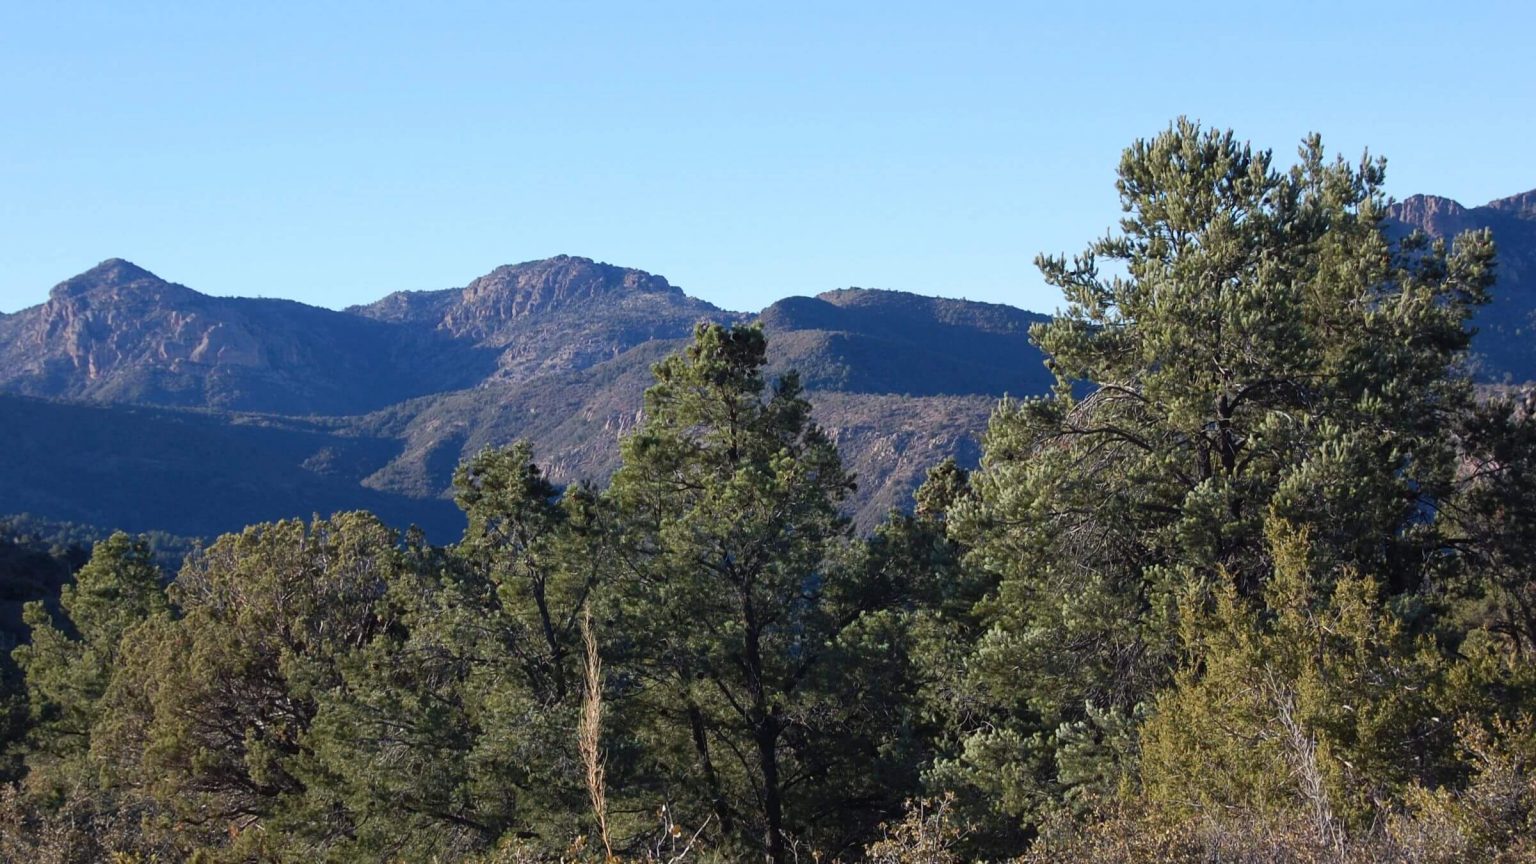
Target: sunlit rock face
{"points": [[1504, 350]]}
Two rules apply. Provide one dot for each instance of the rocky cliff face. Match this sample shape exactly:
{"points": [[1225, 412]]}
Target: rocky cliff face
{"points": [[1505, 347], [491, 306], [1522, 206], [556, 315], [90, 324], [492, 303], [1432, 214]]}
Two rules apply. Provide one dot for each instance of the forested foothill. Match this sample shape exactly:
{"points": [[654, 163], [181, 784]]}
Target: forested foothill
{"points": [[1253, 583]]}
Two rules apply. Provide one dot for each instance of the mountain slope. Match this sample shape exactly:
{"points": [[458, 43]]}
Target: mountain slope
{"points": [[199, 473], [1505, 347], [559, 314], [398, 392], [577, 419], [866, 341], [118, 333]]}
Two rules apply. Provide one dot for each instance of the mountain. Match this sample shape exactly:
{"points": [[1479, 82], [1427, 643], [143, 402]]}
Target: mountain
{"points": [[200, 473], [900, 382], [1505, 347], [156, 406], [119, 333], [197, 414], [553, 315], [866, 341]]}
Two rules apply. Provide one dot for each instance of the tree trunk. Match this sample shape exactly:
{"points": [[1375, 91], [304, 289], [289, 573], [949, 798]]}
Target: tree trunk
{"points": [[765, 732], [773, 806], [701, 746]]}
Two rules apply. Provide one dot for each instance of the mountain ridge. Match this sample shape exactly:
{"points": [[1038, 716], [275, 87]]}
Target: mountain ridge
{"points": [[1504, 351], [557, 350], [375, 404], [119, 333]]}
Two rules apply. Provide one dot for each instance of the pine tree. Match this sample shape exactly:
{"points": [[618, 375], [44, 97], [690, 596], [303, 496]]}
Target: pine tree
{"points": [[727, 606], [516, 539], [68, 667], [1261, 352], [211, 713]]}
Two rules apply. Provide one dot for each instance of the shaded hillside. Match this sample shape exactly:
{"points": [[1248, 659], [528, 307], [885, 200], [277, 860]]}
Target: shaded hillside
{"points": [[191, 473], [29, 570], [574, 418], [39, 556], [118, 333], [866, 341], [577, 419], [1505, 346], [889, 442]]}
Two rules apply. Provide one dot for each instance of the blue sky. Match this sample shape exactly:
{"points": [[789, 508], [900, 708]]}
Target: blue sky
{"points": [[332, 152]]}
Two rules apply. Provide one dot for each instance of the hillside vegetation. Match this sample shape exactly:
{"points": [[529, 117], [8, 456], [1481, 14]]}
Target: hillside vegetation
{"points": [[1249, 582]]}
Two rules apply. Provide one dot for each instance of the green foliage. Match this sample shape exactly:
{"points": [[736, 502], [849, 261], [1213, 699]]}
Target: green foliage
{"points": [[730, 604], [327, 688], [1321, 710], [1253, 585], [68, 669], [212, 711], [1267, 353], [520, 542]]}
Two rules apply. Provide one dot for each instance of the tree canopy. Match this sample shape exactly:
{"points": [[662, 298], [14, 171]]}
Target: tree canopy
{"points": [[1252, 582]]}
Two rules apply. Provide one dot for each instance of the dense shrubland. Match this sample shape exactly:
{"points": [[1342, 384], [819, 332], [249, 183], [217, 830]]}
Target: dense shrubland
{"points": [[1254, 584]]}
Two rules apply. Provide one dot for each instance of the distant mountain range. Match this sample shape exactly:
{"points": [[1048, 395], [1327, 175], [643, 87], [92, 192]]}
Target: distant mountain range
{"points": [[129, 401]]}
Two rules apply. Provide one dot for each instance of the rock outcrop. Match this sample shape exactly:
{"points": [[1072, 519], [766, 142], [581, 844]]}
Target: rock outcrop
{"points": [[1504, 351]]}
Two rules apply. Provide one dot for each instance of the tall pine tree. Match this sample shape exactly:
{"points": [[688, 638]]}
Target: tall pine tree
{"points": [[727, 606], [1257, 350]]}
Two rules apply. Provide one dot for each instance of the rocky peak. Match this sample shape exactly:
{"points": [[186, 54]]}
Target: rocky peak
{"points": [[535, 293], [1428, 212], [111, 273], [1522, 206], [517, 290], [116, 279]]}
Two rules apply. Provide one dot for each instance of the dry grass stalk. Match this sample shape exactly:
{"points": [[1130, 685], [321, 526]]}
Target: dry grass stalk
{"points": [[590, 732]]}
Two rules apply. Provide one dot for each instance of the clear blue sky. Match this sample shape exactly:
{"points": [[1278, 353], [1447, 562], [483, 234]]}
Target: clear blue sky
{"points": [[333, 152]]}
